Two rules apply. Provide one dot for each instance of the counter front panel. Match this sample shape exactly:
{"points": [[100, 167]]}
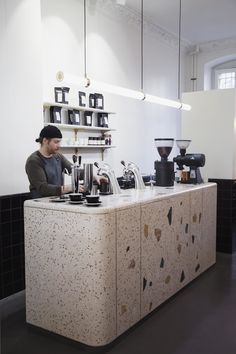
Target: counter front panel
{"points": [[92, 273]]}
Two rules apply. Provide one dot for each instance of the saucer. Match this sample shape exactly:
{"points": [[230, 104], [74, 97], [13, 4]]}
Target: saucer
{"points": [[57, 200], [65, 197], [93, 204], [75, 201]]}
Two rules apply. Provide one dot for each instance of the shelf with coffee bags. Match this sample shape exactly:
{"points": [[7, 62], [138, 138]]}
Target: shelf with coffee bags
{"points": [[73, 107], [79, 127], [76, 118]]}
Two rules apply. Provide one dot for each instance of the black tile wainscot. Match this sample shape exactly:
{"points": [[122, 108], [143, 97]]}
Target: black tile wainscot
{"points": [[226, 215], [12, 263]]}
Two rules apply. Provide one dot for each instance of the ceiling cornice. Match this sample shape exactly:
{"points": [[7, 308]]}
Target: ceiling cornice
{"points": [[123, 13], [226, 43]]}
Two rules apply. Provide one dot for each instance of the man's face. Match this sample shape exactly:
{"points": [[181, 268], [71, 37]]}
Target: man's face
{"points": [[52, 145]]}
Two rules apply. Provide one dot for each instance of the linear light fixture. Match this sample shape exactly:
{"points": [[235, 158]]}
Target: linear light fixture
{"points": [[118, 90], [97, 85], [160, 100], [66, 78]]}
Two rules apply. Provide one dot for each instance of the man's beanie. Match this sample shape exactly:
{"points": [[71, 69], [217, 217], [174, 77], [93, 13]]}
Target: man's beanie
{"points": [[49, 132]]}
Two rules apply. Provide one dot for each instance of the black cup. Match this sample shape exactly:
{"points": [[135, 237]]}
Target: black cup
{"points": [[104, 188], [92, 198], [76, 197]]}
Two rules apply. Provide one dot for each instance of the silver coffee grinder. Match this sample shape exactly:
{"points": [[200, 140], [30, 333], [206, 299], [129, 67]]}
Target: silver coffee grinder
{"points": [[164, 169]]}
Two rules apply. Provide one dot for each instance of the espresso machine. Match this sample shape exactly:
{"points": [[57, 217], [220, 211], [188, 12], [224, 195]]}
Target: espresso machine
{"points": [[193, 161], [132, 176], [112, 187], [164, 169]]}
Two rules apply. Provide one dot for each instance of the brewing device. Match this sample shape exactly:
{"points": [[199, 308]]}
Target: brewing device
{"points": [[193, 161], [75, 173], [164, 169], [88, 177], [104, 169], [132, 176]]}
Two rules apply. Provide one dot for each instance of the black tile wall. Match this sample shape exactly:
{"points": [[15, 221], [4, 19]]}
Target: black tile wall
{"points": [[226, 215], [12, 263]]}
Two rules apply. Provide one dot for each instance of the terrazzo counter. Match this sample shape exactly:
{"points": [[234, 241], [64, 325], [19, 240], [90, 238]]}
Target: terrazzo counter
{"points": [[93, 272]]}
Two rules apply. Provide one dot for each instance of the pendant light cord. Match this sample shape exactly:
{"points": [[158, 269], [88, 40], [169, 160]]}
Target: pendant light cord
{"points": [[141, 56], [85, 41], [179, 47]]}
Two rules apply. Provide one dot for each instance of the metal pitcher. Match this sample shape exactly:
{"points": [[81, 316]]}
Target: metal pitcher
{"points": [[88, 177], [75, 177]]}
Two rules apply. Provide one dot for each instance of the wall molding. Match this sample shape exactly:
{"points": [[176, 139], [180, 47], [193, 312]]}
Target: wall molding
{"points": [[125, 14], [211, 46], [131, 16]]}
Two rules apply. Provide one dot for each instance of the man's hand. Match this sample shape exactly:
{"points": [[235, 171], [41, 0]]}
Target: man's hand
{"points": [[100, 179], [66, 189], [81, 189]]}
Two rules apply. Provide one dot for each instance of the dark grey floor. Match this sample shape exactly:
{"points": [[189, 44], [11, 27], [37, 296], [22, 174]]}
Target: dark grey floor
{"points": [[201, 319]]}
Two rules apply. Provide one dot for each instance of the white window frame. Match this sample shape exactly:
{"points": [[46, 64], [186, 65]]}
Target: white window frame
{"points": [[221, 71]]}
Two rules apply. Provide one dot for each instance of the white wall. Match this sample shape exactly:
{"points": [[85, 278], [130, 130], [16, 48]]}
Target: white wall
{"points": [[21, 89], [211, 122], [207, 56], [114, 57], [211, 127]]}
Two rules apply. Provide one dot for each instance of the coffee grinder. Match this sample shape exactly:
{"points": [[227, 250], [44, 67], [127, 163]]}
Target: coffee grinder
{"points": [[165, 175], [193, 161]]}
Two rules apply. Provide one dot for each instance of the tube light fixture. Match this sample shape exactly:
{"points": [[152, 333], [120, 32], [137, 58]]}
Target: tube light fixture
{"points": [[69, 79], [118, 90], [97, 85], [162, 101], [167, 102]]}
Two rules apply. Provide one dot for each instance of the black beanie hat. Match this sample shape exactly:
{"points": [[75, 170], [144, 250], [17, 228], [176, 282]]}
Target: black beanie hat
{"points": [[49, 132]]}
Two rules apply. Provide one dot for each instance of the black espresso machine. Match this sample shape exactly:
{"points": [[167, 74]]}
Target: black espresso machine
{"points": [[193, 161]]}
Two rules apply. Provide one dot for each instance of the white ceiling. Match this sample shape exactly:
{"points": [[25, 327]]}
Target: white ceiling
{"points": [[202, 20]]}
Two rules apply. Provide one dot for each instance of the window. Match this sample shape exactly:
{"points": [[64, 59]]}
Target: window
{"points": [[225, 78]]}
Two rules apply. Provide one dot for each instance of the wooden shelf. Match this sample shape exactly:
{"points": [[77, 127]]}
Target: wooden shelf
{"points": [[87, 146], [79, 108], [75, 129], [79, 127]]}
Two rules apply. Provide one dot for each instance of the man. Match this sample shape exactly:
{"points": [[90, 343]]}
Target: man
{"points": [[45, 166]]}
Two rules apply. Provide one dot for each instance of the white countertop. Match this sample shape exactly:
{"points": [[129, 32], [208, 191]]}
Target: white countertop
{"points": [[128, 198]]}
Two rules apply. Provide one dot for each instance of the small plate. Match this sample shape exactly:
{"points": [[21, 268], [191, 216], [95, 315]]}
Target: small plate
{"points": [[65, 197], [57, 200], [75, 201], [93, 204]]}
